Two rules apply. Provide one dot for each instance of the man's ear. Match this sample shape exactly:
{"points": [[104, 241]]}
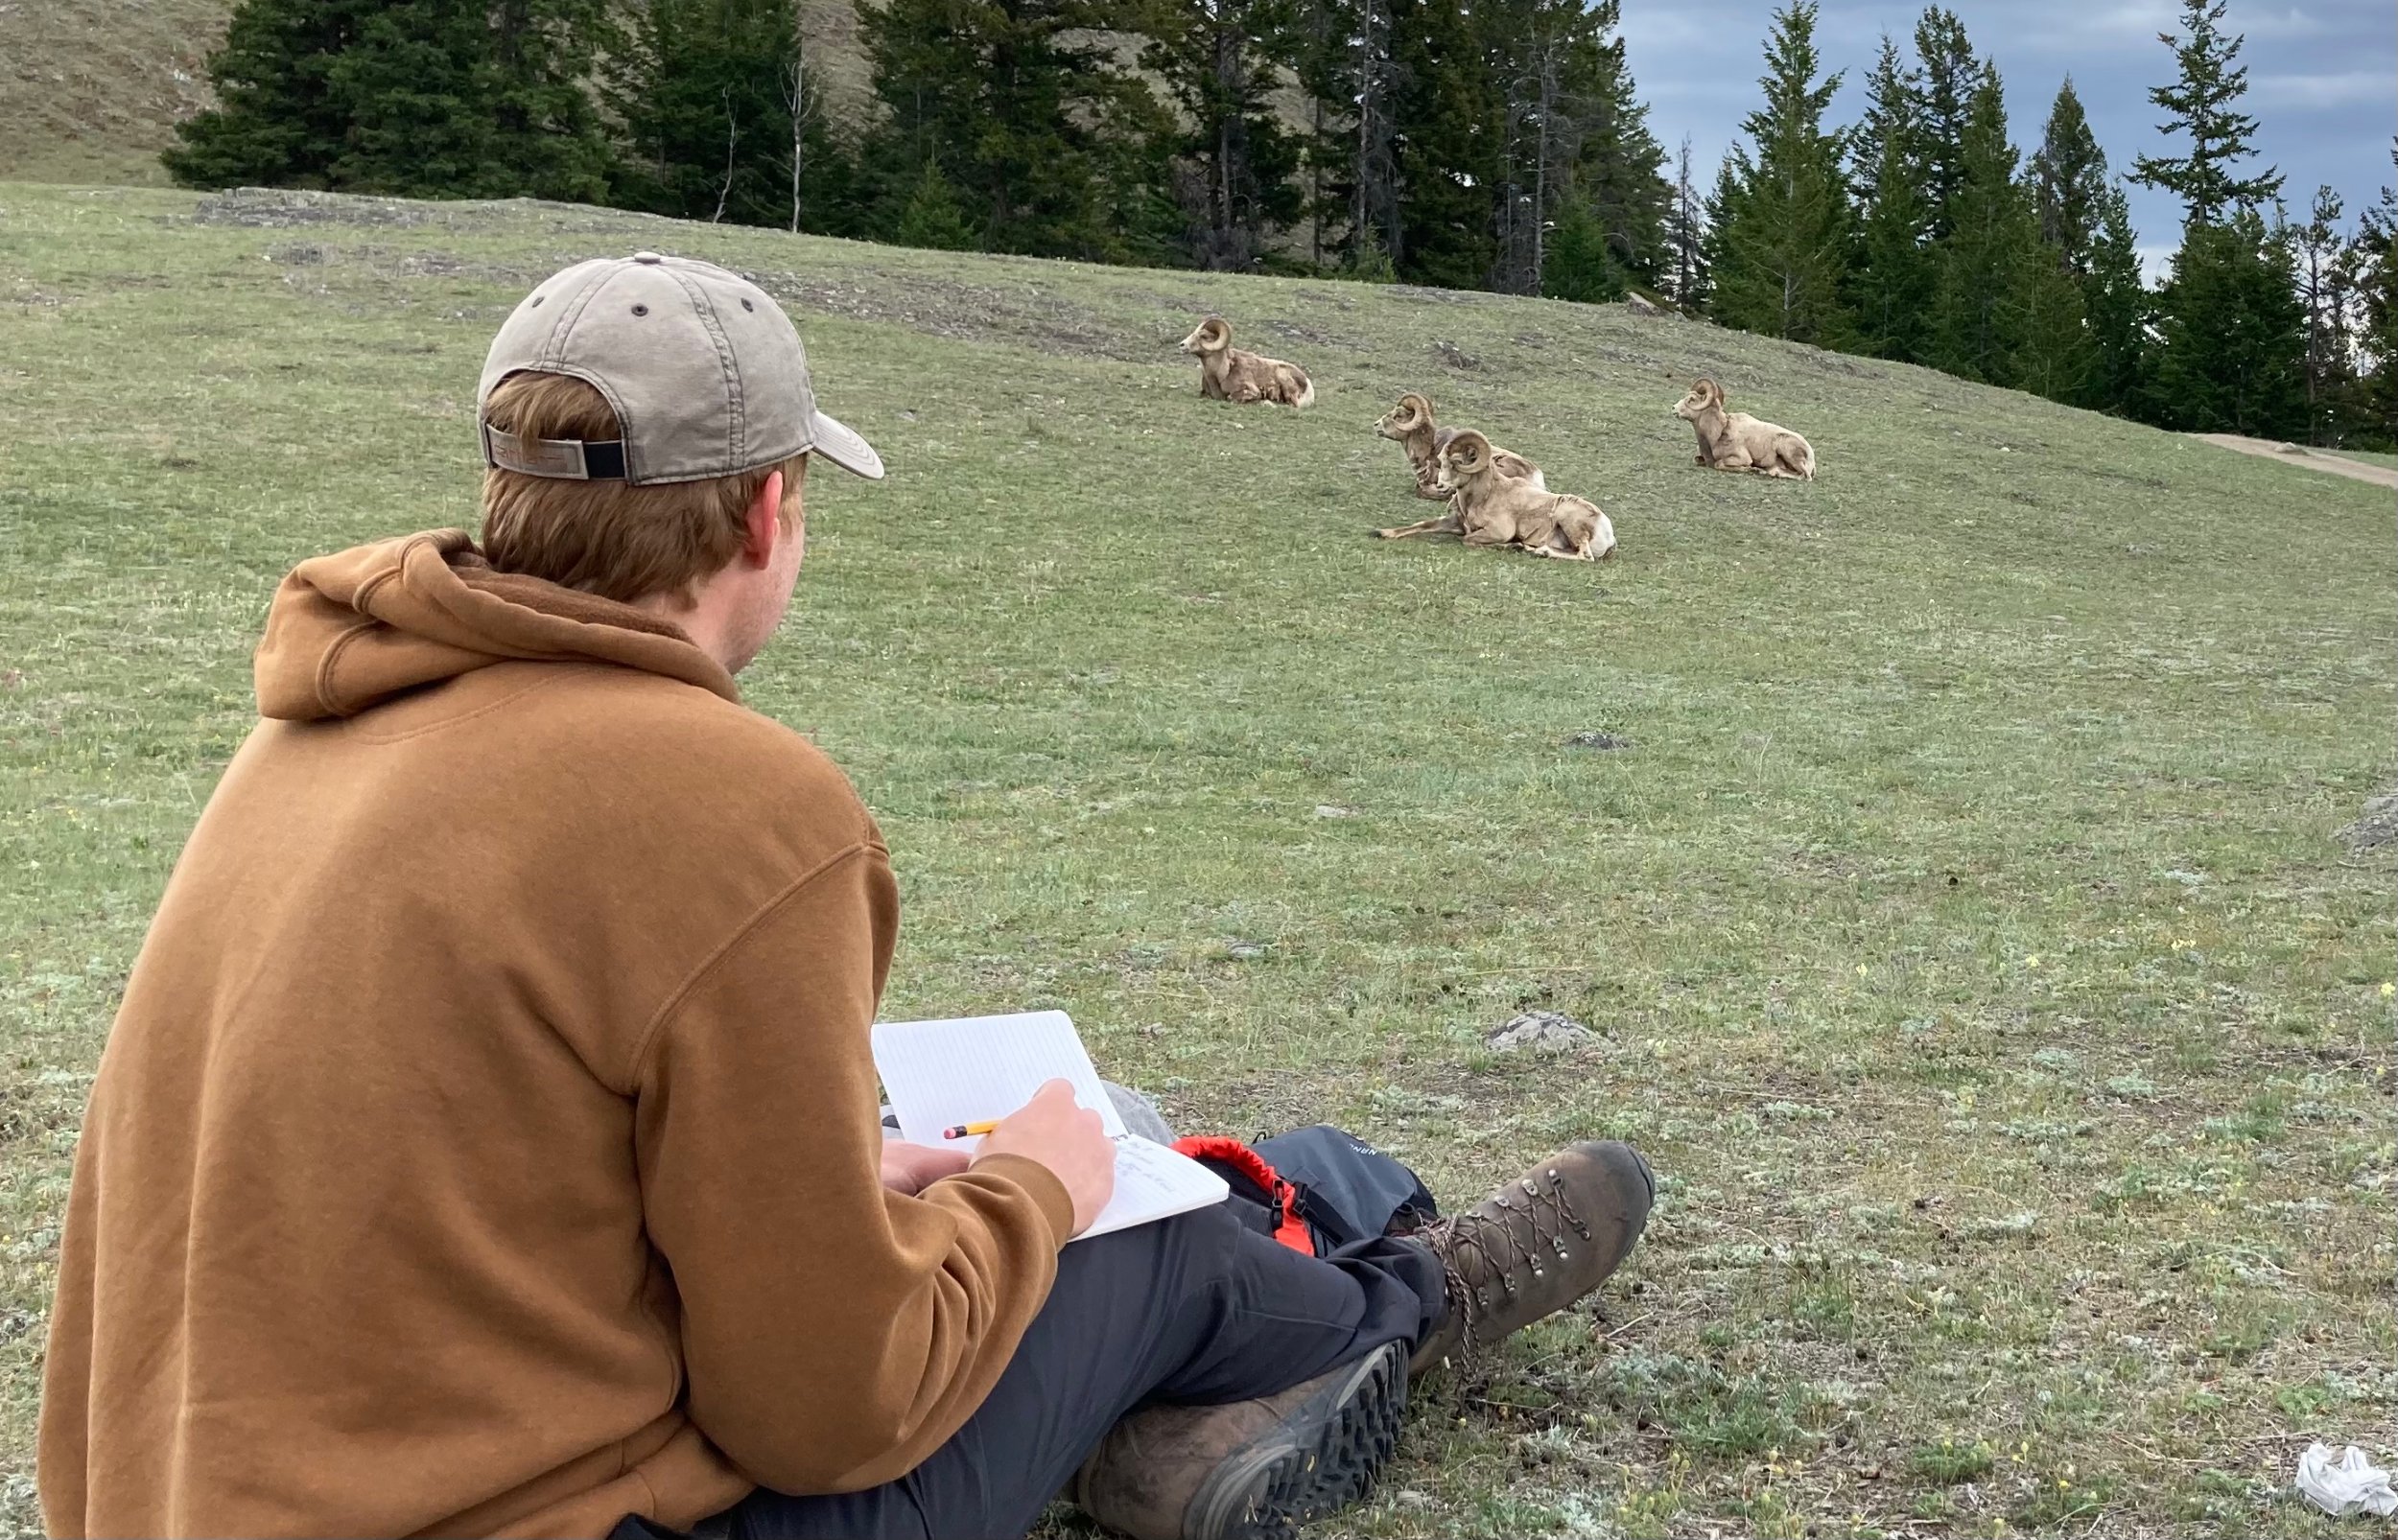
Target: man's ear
{"points": [[761, 522]]}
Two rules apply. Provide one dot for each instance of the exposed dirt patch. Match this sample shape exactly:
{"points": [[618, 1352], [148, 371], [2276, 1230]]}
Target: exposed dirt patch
{"points": [[2303, 458]]}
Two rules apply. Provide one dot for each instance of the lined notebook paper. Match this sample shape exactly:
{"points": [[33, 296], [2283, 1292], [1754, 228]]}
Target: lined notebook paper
{"points": [[974, 1070]]}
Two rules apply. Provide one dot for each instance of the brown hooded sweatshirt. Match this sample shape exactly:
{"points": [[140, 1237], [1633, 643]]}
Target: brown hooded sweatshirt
{"points": [[487, 1142]]}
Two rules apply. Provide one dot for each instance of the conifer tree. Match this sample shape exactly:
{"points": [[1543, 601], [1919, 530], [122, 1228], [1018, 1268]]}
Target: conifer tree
{"points": [[2233, 357], [1577, 263], [1685, 240], [278, 121], [700, 88], [1948, 74], [1220, 61], [2115, 297], [1897, 272], [1028, 117], [2069, 182], [1449, 159], [934, 219], [1782, 218], [2317, 249], [545, 123], [426, 98], [2203, 104], [1616, 165], [2373, 274], [1981, 314], [417, 88]]}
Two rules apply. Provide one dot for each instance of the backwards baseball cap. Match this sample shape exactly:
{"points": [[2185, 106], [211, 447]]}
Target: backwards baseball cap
{"points": [[707, 375]]}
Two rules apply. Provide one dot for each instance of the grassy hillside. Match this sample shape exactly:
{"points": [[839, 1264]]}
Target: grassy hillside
{"points": [[1960, 913], [90, 90]]}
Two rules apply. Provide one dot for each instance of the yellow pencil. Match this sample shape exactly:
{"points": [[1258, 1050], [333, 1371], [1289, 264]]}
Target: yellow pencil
{"points": [[968, 1130]]}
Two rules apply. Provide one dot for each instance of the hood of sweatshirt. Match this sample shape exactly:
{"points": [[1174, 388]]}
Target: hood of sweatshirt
{"points": [[361, 627]]}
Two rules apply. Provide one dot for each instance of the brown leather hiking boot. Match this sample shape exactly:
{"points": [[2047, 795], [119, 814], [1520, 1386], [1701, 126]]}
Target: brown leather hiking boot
{"points": [[1254, 1470], [1536, 1245]]}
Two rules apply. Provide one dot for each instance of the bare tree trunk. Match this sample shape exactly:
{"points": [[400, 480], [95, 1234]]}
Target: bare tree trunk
{"points": [[1541, 170], [732, 137], [795, 92]]}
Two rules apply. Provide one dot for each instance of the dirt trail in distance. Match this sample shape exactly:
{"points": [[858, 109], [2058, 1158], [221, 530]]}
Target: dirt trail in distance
{"points": [[2305, 459]]}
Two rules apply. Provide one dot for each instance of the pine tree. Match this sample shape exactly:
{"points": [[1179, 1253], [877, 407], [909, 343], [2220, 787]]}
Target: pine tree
{"points": [[1448, 157], [545, 123], [2203, 104], [1615, 162], [2233, 357], [1049, 148], [278, 121], [2069, 182], [422, 98], [1897, 272], [934, 219], [1686, 241], [1949, 73], [2056, 356], [2317, 249], [2373, 263], [1220, 61], [700, 87], [1578, 264], [419, 88], [1783, 220], [1981, 314], [2115, 297]]}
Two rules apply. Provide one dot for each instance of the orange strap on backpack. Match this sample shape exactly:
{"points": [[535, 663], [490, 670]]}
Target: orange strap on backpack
{"points": [[1288, 1227]]}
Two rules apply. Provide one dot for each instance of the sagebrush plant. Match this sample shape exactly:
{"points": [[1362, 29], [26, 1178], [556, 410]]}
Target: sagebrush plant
{"points": [[1950, 875]]}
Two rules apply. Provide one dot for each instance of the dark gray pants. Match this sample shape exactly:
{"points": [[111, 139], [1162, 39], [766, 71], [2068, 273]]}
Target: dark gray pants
{"points": [[1200, 1308]]}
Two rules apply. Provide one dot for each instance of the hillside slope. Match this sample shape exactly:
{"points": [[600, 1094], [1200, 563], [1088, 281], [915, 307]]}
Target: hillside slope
{"points": [[90, 90], [1944, 852]]}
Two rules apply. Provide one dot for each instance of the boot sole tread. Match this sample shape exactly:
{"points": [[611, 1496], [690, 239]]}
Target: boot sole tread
{"points": [[1318, 1471]]}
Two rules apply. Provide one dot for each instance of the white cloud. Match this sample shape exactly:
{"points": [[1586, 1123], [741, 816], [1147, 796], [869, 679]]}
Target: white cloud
{"points": [[2319, 92]]}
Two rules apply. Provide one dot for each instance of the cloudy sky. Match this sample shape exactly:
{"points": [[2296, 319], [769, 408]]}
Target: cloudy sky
{"points": [[2323, 79]]}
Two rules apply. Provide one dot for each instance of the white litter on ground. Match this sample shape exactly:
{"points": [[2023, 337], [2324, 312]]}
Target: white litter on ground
{"points": [[2354, 1484]]}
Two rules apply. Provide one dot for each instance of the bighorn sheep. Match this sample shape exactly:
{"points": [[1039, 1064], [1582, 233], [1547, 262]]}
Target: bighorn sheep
{"points": [[1409, 424], [1735, 441], [1227, 373], [1504, 510]]}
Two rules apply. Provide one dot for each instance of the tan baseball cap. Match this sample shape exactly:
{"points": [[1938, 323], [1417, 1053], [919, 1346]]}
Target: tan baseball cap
{"points": [[707, 375]]}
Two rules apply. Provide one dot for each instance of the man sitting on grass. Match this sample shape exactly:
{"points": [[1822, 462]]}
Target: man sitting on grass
{"points": [[486, 1144]]}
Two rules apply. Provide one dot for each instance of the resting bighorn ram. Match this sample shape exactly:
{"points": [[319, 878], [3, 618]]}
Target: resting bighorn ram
{"points": [[1735, 441], [1227, 373], [1409, 424], [1505, 510]]}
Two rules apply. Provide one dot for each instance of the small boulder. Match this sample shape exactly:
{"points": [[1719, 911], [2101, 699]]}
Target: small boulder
{"points": [[2378, 827], [1545, 1032]]}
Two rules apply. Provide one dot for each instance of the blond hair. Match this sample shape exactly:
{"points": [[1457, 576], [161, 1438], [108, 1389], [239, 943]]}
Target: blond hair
{"points": [[620, 542]]}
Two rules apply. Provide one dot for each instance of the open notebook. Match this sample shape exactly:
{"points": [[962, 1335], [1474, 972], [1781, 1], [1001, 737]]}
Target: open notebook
{"points": [[939, 1074]]}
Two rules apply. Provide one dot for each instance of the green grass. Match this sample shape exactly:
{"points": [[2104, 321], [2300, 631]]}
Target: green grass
{"points": [[1963, 926]]}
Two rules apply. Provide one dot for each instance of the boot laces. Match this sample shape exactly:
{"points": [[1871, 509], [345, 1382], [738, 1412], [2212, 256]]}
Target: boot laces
{"points": [[1486, 1250]]}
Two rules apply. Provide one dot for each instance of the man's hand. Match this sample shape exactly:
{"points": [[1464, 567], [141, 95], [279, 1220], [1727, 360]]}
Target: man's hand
{"points": [[1053, 1132], [911, 1168]]}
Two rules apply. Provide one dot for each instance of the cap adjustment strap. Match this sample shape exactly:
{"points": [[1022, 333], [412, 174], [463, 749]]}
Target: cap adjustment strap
{"points": [[563, 459]]}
